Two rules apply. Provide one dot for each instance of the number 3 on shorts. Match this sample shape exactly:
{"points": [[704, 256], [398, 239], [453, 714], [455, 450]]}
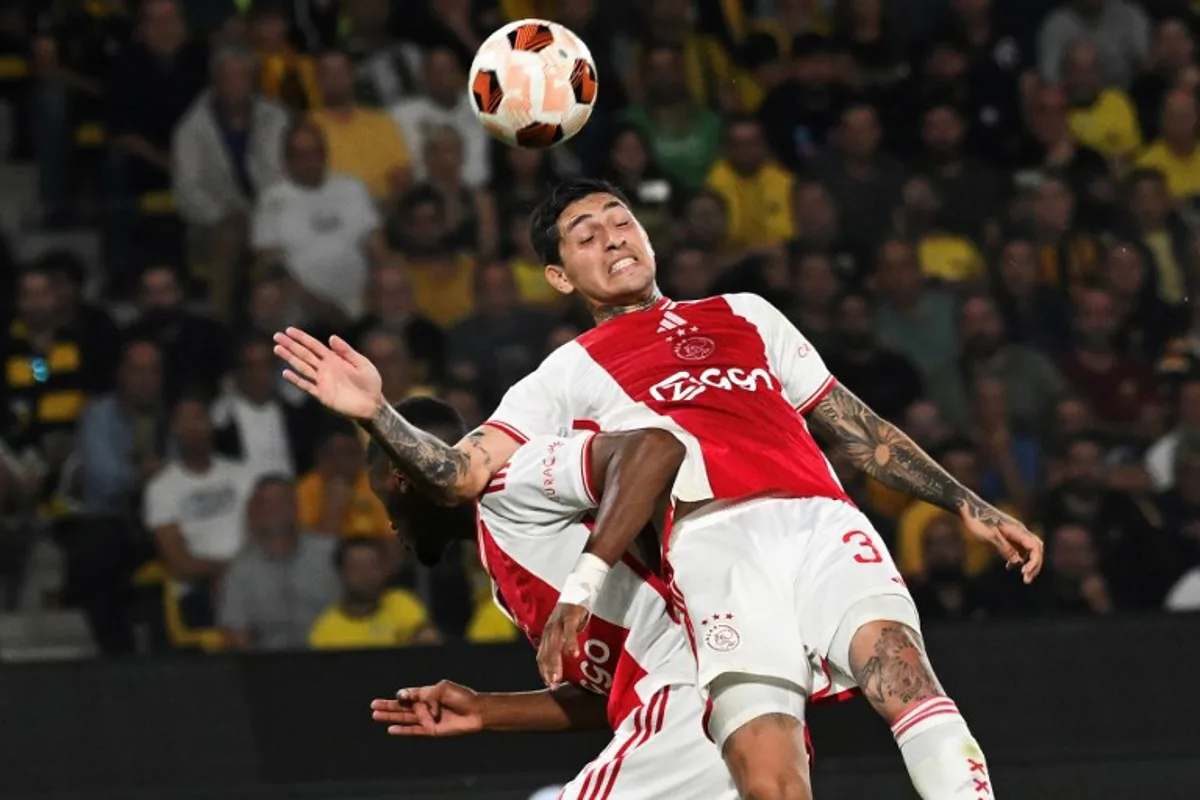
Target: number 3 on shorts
{"points": [[867, 554]]}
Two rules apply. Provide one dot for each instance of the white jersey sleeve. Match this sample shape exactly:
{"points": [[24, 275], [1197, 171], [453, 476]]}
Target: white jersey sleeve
{"points": [[793, 359], [545, 485], [537, 405]]}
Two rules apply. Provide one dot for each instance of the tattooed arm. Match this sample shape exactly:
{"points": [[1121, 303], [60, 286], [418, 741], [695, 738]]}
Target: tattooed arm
{"points": [[447, 475], [884, 452]]}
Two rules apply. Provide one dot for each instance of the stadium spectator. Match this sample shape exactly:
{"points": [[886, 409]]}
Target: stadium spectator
{"points": [[152, 83], [818, 229], [322, 227], [757, 192], [227, 149], [1172, 64], [92, 323], [884, 379], [1118, 30], [916, 320], [704, 224], [361, 142], [447, 104], [1181, 516], [684, 134], [707, 72], [814, 292], [1144, 322], [870, 34], [369, 614], [527, 268], [689, 273], [387, 69], [195, 348], [1076, 584], [253, 424], [195, 509], [519, 177], [798, 114], [1161, 233], [281, 583], [1049, 146], [443, 279], [396, 370], [1176, 155], [391, 307], [1069, 256], [943, 255], [943, 591], [1160, 458], [1010, 460], [630, 166], [1034, 314], [968, 189], [1102, 118], [471, 220], [284, 73]]}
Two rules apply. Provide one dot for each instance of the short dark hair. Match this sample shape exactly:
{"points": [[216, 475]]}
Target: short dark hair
{"points": [[425, 413], [344, 546], [63, 263], [544, 220], [272, 479], [194, 393]]}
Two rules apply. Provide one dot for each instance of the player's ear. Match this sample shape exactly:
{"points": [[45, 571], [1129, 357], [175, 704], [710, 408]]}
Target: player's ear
{"points": [[556, 276]]}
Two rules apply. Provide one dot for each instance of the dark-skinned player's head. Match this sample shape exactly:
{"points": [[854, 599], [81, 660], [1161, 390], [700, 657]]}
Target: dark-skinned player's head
{"points": [[592, 244], [425, 527]]}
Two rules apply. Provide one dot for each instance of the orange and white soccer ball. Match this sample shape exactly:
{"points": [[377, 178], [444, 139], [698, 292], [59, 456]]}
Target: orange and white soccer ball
{"points": [[533, 83]]}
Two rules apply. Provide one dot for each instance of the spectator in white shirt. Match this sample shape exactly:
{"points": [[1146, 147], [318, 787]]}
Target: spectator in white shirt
{"points": [[195, 508], [226, 150], [323, 229], [447, 104], [1119, 30], [1160, 458]]}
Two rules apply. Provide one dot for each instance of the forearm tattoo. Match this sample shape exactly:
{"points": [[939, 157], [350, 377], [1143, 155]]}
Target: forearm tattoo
{"points": [[896, 672], [881, 450], [435, 468]]}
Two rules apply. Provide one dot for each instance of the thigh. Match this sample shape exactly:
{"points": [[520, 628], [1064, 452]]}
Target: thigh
{"points": [[660, 751], [734, 575]]}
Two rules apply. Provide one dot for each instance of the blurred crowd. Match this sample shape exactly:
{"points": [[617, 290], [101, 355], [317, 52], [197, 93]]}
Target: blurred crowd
{"points": [[983, 214]]}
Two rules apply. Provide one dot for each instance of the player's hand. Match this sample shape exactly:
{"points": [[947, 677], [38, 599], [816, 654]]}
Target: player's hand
{"points": [[561, 636], [340, 377], [1017, 545], [446, 709]]}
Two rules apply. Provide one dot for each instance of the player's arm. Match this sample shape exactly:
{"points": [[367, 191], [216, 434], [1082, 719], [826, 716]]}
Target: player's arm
{"points": [[449, 709], [884, 452]]}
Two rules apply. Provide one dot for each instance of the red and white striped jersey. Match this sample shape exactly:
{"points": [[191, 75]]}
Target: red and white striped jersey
{"points": [[726, 374], [532, 528]]}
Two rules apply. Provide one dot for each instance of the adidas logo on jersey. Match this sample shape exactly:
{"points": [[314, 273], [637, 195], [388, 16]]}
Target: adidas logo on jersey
{"points": [[670, 322]]}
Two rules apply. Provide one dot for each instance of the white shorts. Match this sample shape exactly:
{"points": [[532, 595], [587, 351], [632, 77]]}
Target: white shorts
{"points": [[658, 751], [766, 584]]}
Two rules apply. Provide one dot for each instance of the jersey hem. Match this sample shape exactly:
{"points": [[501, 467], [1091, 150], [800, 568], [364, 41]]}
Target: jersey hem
{"points": [[508, 430], [817, 396]]}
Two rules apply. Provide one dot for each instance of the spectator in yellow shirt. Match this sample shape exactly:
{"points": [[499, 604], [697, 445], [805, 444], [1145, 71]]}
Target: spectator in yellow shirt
{"points": [[370, 614], [443, 279], [1102, 118], [1176, 155], [284, 74], [757, 192], [362, 142]]}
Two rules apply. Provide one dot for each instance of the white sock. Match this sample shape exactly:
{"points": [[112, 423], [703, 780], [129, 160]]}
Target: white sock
{"points": [[943, 759]]}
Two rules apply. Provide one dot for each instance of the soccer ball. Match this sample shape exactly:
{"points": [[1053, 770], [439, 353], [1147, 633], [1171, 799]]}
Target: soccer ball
{"points": [[533, 83]]}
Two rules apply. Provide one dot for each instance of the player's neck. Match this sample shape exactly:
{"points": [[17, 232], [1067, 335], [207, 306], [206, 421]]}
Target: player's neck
{"points": [[605, 313]]}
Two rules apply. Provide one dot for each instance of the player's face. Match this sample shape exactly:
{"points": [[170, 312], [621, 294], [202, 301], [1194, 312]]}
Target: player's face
{"points": [[606, 255]]}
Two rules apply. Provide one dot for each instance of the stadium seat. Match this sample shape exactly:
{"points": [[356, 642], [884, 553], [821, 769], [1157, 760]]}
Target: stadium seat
{"points": [[180, 636]]}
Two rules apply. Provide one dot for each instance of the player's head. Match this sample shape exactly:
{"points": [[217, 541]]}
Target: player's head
{"points": [[592, 244], [424, 527]]}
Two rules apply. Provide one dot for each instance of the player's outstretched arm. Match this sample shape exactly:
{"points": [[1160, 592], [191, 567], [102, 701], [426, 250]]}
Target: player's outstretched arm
{"points": [[346, 382], [449, 709], [630, 472], [884, 452]]}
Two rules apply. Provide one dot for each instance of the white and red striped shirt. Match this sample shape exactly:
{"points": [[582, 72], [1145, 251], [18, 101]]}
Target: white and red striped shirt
{"points": [[726, 374], [532, 527]]}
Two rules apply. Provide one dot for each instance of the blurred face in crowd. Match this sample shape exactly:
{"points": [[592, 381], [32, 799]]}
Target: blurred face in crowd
{"points": [[1072, 553], [306, 157], [233, 82], [521, 234], [628, 156], [745, 147], [691, 274], [923, 422], [391, 295], [980, 326], [814, 70], [425, 228], [1072, 416], [466, 403], [1084, 470], [945, 64], [269, 32], [944, 550], [1174, 47], [706, 222], [963, 466], [664, 77], [444, 77], [898, 274], [1179, 120], [816, 216], [854, 324], [816, 283], [335, 80], [255, 374], [389, 355], [271, 515], [942, 133], [364, 575], [1124, 272], [266, 306], [860, 133], [340, 456], [1018, 268], [1149, 202], [160, 290], [991, 403], [1083, 74], [37, 301], [1053, 207], [1095, 320], [444, 156], [139, 379], [162, 27], [1049, 116], [605, 253], [497, 291], [191, 427], [921, 204]]}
